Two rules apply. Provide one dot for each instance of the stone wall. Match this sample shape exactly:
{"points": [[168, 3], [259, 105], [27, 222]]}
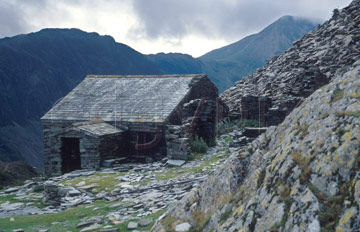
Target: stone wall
{"points": [[93, 149], [255, 108], [176, 142]]}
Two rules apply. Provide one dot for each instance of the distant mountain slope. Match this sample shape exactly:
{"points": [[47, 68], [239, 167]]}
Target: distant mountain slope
{"points": [[177, 63], [38, 68], [235, 61]]}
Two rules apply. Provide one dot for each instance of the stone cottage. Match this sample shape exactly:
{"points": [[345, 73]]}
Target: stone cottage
{"points": [[128, 116]]}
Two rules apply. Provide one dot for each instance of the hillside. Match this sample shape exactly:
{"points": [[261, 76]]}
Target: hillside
{"points": [[38, 68], [302, 175], [231, 63]]}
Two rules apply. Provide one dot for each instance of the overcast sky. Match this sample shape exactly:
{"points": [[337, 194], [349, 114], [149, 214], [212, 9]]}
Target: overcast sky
{"points": [[151, 26]]}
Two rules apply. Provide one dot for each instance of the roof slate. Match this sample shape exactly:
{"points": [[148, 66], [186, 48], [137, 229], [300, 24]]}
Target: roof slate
{"points": [[123, 98], [99, 129]]}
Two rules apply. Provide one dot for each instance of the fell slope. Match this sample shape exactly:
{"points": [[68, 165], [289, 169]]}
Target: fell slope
{"points": [[303, 175]]}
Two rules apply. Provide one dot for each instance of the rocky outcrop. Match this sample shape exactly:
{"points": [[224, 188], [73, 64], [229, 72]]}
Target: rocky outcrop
{"points": [[300, 176], [303, 175], [310, 63]]}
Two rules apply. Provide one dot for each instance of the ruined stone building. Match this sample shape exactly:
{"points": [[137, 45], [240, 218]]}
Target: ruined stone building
{"points": [[128, 116]]}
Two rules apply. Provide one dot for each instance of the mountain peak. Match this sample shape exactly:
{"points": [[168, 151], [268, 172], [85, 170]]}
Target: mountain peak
{"points": [[253, 51]]}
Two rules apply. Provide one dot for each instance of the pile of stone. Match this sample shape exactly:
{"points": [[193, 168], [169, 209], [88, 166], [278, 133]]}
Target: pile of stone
{"points": [[306, 66]]}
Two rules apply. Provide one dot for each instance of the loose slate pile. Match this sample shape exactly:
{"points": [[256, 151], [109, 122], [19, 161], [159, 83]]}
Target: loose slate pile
{"points": [[310, 63]]}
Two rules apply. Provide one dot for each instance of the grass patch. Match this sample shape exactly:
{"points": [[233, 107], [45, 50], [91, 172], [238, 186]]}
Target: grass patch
{"points": [[226, 127], [284, 192], [37, 202], [200, 220], [228, 139], [249, 123], [355, 114], [198, 145], [303, 163], [175, 172], [104, 182], [337, 95], [261, 178], [224, 216], [355, 95], [331, 207], [68, 219], [302, 131]]}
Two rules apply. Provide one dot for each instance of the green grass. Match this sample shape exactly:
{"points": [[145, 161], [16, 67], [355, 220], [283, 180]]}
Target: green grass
{"points": [[302, 130], [198, 145], [355, 114], [68, 219], [228, 139], [12, 199], [176, 172], [223, 128], [337, 95], [105, 182], [249, 123]]}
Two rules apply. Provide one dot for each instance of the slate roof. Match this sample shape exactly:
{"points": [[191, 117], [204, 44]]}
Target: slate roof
{"points": [[123, 98], [99, 129]]}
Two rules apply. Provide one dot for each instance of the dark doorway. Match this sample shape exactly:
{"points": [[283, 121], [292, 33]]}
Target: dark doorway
{"points": [[70, 154]]}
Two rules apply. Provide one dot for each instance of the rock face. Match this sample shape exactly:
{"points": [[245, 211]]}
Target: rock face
{"points": [[310, 63], [303, 175]]}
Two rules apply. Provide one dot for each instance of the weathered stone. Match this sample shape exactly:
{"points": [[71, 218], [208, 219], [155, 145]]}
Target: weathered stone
{"points": [[132, 225], [11, 190], [183, 227], [91, 228], [145, 222], [110, 230], [176, 163]]}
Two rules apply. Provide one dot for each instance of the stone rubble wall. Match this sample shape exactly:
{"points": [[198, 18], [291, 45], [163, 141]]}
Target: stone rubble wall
{"points": [[176, 142]]}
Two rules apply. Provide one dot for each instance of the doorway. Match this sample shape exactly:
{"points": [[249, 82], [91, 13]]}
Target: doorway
{"points": [[70, 154]]}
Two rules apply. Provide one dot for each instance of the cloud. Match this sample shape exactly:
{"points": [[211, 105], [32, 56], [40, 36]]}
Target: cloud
{"points": [[191, 26], [221, 19], [11, 21]]}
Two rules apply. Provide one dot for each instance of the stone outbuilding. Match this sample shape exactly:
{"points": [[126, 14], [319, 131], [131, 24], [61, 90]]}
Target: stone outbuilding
{"points": [[144, 117]]}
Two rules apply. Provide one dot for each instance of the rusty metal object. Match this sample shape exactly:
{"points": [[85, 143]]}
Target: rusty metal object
{"points": [[153, 143]]}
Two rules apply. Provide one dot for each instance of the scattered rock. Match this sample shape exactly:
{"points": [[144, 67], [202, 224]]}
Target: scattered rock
{"points": [[91, 228], [110, 230], [183, 227], [145, 222], [176, 163], [11, 190], [132, 225]]}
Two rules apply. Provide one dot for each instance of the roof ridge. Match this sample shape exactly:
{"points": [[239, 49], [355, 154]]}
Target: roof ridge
{"points": [[144, 76]]}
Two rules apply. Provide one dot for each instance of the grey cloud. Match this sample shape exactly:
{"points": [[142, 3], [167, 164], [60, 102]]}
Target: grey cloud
{"points": [[169, 19], [11, 22], [218, 19]]}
